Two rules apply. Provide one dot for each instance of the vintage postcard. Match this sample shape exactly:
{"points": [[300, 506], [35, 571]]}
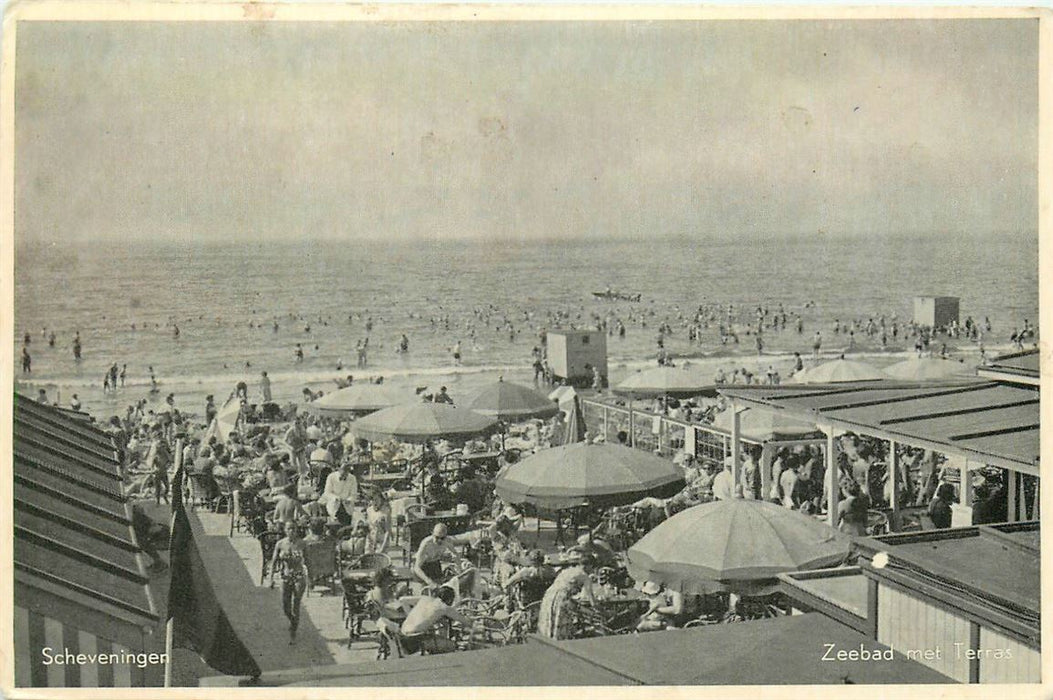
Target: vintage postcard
{"points": [[478, 347]]}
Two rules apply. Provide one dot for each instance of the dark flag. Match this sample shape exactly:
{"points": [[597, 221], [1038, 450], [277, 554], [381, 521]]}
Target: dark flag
{"points": [[199, 623], [575, 425]]}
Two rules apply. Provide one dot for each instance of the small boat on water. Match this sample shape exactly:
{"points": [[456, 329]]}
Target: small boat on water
{"points": [[610, 295]]}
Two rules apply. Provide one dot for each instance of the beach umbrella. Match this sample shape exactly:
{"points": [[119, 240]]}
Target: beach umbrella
{"points": [[683, 380], [225, 422], [736, 544], [560, 393], [581, 473], [359, 398], [511, 402], [928, 368], [420, 422], [764, 424], [840, 370]]}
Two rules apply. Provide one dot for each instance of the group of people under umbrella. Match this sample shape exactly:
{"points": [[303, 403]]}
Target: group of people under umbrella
{"points": [[728, 547]]}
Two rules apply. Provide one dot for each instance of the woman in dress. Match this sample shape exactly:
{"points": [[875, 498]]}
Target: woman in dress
{"points": [[378, 516], [289, 553], [556, 617]]}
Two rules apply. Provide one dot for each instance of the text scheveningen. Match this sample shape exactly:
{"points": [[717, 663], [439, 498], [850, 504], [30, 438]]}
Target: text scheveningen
{"points": [[68, 658]]}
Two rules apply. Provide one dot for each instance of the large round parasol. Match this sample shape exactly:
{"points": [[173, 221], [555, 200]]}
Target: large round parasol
{"points": [[840, 370], [764, 424], [928, 368], [511, 402], [420, 422], [581, 473], [734, 544], [665, 381], [359, 398]]}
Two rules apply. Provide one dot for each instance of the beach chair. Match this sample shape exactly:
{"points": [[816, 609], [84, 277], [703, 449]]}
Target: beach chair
{"points": [[500, 629], [530, 592], [383, 630], [225, 496], [321, 565], [200, 491], [353, 607], [390, 640], [528, 618], [248, 511]]}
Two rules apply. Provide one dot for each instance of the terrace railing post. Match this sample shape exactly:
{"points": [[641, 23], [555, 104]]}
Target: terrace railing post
{"points": [[765, 469], [894, 479], [832, 486], [632, 424], [736, 466]]}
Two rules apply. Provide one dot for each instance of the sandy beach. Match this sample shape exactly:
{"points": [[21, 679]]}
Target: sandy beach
{"points": [[287, 387]]}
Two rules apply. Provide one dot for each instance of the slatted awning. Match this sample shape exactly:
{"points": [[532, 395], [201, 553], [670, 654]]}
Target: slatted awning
{"points": [[989, 422], [72, 524], [1020, 367]]}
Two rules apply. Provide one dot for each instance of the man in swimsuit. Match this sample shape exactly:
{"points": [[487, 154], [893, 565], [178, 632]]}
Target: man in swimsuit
{"points": [[422, 621]]}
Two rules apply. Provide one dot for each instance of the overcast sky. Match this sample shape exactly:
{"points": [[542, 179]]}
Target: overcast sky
{"points": [[525, 130]]}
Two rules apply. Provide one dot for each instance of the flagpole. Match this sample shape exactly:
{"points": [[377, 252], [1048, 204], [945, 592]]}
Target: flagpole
{"points": [[170, 623], [169, 634]]}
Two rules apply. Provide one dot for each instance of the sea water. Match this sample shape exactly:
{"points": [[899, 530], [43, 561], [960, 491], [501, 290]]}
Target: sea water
{"points": [[125, 298]]}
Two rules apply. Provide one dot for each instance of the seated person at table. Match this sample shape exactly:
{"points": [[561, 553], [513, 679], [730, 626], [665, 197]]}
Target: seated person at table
{"points": [[596, 550], [420, 625], [340, 494], [427, 565], [471, 491], [388, 610], [666, 608], [686, 498], [316, 531], [533, 577], [378, 517], [723, 485], [288, 507], [437, 496], [276, 476], [356, 544]]}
